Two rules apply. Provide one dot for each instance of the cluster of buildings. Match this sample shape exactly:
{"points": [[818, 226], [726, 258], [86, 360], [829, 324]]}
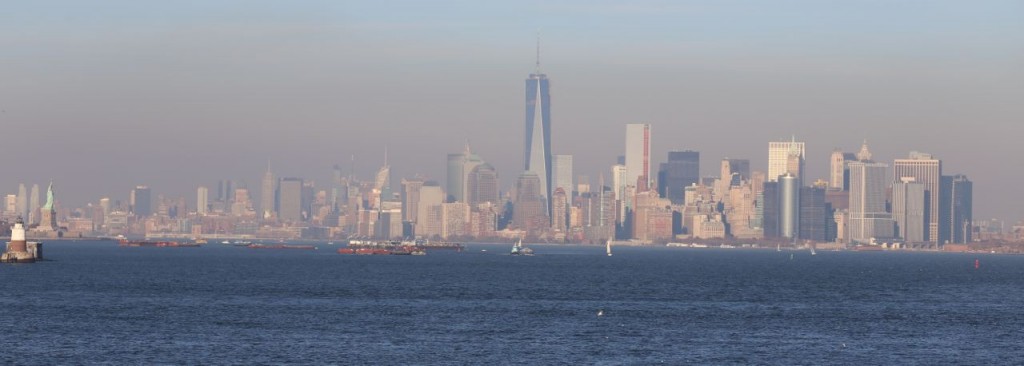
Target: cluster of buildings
{"points": [[909, 202]]}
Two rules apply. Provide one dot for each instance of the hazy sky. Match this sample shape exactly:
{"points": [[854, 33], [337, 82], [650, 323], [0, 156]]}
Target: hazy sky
{"points": [[103, 95]]}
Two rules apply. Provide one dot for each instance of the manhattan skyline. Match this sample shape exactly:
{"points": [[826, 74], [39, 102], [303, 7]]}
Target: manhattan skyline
{"points": [[101, 100]]}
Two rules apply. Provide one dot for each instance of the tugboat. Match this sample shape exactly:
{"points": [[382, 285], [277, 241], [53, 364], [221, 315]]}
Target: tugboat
{"points": [[519, 249]]}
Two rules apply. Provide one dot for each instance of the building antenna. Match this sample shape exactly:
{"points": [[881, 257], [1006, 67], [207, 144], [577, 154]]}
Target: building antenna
{"points": [[385, 155], [538, 51], [352, 168]]}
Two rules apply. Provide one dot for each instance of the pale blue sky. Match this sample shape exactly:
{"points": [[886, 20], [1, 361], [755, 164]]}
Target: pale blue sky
{"points": [[104, 95]]}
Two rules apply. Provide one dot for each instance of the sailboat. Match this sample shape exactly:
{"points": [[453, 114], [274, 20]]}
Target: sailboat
{"points": [[812, 251], [778, 247], [608, 247], [519, 249]]}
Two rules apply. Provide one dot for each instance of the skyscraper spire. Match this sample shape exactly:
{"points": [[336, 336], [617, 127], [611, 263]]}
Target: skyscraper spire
{"points": [[538, 52]]}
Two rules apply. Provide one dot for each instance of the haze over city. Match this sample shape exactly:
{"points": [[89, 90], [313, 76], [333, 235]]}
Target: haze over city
{"points": [[100, 98]]}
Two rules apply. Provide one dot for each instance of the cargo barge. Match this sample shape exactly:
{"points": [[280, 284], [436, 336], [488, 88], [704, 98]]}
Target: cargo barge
{"points": [[162, 244], [280, 246]]}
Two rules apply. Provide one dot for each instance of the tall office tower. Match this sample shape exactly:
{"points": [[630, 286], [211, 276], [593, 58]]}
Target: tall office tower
{"points": [[958, 212], [289, 197], [927, 170], [680, 171], [410, 199], [202, 200], [455, 219], [781, 159], [482, 185], [33, 205], [619, 181], [538, 128], [225, 191], [839, 170], [11, 206], [814, 214], [789, 206], [638, 155], [560, 210], [908, 202], [242, 206], [736, 167], [769, 203], [267, 191], [141, 201], [459, 167], [22, 201], [529, 213], [382, 186], [105, 205], [868, 216], [563, 174], [428, 216]]}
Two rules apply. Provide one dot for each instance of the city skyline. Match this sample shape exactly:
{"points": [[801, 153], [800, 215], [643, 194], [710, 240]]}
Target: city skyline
{"points": [[126, 124]]}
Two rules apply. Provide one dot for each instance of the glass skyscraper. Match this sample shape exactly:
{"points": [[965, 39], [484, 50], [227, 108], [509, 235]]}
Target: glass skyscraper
{"points": [[538, 130]]}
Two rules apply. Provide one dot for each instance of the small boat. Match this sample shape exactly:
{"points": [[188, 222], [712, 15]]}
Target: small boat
{"points": [[519, 249], [812, 251], [608, 247]]}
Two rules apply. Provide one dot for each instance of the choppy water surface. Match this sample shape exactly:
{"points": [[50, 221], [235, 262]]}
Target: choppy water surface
{"points": [[96, 302]]}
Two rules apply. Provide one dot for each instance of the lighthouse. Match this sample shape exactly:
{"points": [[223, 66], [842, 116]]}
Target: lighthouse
{"points": [[18, 249]]}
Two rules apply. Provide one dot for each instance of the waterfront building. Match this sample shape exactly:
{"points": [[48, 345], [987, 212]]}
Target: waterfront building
{"points": [[789, 206], [815, 215], [908, 207], [926, 170], [958, 213], [868, 217]]}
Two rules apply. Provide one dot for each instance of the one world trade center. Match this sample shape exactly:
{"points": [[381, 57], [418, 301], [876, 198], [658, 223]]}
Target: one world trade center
{"points": [[538, 130]]}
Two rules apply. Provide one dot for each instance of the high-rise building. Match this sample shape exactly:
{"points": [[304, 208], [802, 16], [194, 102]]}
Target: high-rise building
{"points": [[22, 201], [290, 202], [460, 165], [141, 201], [538, 128], [927, 170], [429, 215], [680, 171], [410, 199], [202, 200], [560, 210], [783, 157], [267, 192], [770, 211], [638, 155], [529, 213], [814, 215], [33, 205], [619, 182], [789, 206], [958, 212], [563, 174], [839, 170], [868, 218], [908, 203], [482, 185]]}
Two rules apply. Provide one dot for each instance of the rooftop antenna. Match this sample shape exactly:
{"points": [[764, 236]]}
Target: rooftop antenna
{"points": [[385, 155], [538, 51], [352, 169]]}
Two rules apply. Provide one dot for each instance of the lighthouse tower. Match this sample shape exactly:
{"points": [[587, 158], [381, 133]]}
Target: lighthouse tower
{"points": [[19, 250]]}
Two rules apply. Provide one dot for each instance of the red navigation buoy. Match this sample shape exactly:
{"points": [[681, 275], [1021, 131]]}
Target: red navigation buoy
{"points": [[976, 264]]}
